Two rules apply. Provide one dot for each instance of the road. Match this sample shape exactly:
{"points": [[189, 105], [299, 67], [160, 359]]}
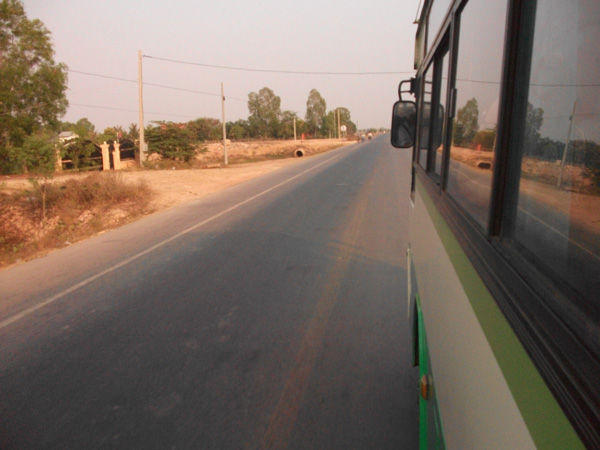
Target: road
{"points": [[270, 315]]}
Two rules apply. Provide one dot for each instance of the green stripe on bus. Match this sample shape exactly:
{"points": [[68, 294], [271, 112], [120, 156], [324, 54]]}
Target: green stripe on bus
{"points": [[545, 420]]}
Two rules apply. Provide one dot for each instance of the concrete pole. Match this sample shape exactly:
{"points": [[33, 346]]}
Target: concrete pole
{"points": [[141, 107], [224, 128], [564, 157]]}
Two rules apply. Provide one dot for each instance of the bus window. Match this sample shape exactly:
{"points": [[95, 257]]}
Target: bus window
{"points": [[558, 214], [425, 119], [440, 119], [437, 13], [478, 74]]}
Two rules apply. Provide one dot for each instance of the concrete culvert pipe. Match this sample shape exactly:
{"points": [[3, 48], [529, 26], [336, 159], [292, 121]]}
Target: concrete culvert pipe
{"points": [[299, 153]]}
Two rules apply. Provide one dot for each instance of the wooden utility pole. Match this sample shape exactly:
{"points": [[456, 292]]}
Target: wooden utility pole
{"points": [[294, 128], [224, 128], [141, 107]]}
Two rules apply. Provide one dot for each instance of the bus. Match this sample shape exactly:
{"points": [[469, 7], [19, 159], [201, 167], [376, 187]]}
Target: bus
{"points": [[503, 118]]}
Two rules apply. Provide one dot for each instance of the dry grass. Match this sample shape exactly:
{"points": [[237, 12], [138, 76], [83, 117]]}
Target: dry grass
{"points": [[76, 209]]}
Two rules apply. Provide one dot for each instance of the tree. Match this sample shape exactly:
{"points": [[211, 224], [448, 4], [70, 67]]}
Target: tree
{"points": [[533, 124], [286, 129], [484, 140], [80, 151], [109, 134], [133, 132], [346, 119], [171, 141], [38, 154], [32, 85], [467, 123], [82, 128], [591, 168], [316, 108], [238, 130], [206, 129], [329, 126], [265, 112]]}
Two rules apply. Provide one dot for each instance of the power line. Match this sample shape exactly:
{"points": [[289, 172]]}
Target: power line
{"points": [[127, 110], [531, 84], [152, 84], [289, 72], [101, 76]]}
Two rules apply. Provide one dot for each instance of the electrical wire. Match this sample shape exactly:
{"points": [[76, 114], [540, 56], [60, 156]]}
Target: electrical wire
{"points": [[288, 72], [153, 85], [128, 110]]}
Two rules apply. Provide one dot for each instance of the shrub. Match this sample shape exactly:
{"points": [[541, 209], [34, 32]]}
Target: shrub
{"points": [[171, 141]]}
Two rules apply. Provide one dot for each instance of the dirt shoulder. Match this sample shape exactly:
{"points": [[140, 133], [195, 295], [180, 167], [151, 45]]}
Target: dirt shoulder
{"points": [[174, 187], [23, 236]]}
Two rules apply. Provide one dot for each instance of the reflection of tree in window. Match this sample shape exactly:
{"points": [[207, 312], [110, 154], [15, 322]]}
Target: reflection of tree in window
{"points": [[484, 140], [533, 124], [558, 211], [591, 154], [467, 124], [581, 157]]}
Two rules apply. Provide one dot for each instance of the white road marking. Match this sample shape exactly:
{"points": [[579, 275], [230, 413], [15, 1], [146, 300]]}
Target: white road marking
{"points": [[87, 281]]}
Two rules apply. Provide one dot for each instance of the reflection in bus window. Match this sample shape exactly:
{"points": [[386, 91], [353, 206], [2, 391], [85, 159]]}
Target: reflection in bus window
{"points": [[440, 119], [425, 111], [438, 11], [558, 215], [478, 73]]}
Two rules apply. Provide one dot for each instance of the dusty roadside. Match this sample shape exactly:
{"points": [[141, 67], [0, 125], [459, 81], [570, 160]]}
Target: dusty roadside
{"points": [[24, 237]]}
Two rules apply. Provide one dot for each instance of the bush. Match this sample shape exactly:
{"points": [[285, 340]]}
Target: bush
{"points": [[76, 208], [171, 141], [485, 139], [82, 154], [102, 189]]}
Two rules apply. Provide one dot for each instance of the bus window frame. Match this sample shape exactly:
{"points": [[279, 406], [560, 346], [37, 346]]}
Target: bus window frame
{"points": [[443, 50]]}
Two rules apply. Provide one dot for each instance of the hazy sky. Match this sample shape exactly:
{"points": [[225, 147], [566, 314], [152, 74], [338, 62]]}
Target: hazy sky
{"points": [[103, 37]]}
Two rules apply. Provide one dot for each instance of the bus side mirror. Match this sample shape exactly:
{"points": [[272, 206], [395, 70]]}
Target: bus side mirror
{"points": [[404, 121]]}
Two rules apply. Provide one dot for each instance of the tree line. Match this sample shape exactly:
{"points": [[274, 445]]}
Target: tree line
{"points": [[33, 99], [182, 141], [581, 153]]}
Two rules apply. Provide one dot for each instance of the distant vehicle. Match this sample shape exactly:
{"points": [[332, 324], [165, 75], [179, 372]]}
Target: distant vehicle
{"points": [[370, 136]]}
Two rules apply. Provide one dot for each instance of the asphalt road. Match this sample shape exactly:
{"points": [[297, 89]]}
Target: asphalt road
{"points": [[271, 315]]}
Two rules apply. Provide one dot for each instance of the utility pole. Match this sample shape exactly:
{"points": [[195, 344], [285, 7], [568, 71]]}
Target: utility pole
{"points": [[294, 129], [141, 107], [224, 128], [339, 125], [564, 157]]}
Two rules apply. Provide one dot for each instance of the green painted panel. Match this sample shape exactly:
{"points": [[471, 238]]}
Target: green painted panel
{"points": [[545, 420], [431, 435]]}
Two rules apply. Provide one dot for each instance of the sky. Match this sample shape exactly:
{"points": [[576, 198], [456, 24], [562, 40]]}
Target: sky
{"points": [[100, 41]]}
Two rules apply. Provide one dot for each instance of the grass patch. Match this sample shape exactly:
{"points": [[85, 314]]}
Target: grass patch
{"points": [[76, 209]]}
